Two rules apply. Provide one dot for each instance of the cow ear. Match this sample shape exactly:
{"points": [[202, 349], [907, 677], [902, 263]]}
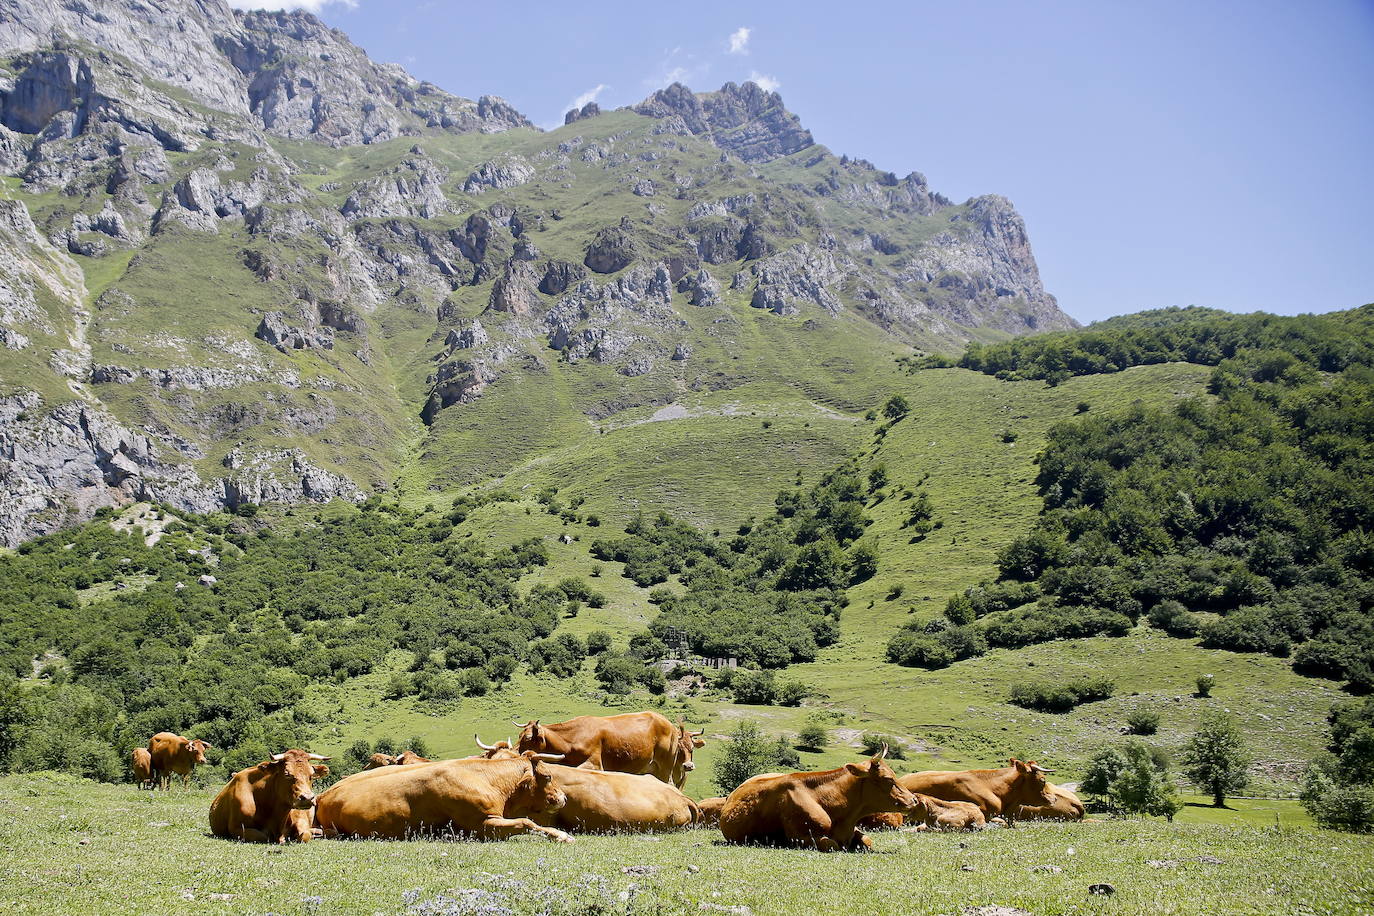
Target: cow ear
{"points": [[320, 771], [856, 769]]}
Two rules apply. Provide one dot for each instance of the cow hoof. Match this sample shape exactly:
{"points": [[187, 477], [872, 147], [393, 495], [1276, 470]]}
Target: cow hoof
{"points": [[561, 837]]}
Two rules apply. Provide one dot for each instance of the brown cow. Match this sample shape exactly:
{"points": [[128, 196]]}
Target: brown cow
{"points": [[271, 802], [633, 742], [490, 799], [813, 809], [603, 801], [709, 810], [141, 762], [995, 792], [501, 750], [405, 758], [1066, 807], [174, 754]]}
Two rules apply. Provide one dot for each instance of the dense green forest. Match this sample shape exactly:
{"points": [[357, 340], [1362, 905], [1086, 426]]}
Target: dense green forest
{"points": [[129, 642], [1246, 519]]}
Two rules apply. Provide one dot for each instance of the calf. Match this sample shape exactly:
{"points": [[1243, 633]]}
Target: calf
{"points": [[271, 802], [995, 792], [141, 762]]}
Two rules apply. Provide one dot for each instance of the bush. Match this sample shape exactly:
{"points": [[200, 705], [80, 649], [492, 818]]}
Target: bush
{"points": [[1215, 758], [813, 736], [1343, 807], [873, 744], [753, 687], [1061, 697], [598, 641], [1132, 778], [1143, 722], [1205, 683], [792, 693], [748, 753], [937, 649], [896, 407], [1174, 619], [785, 756]]}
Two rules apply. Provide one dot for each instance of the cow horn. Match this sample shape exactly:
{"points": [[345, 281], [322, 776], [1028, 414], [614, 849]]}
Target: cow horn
{"points": [[281, 756], [485, 747], [318, 757], [697, 734], [883, 752], [551, 758], [523, 725]]}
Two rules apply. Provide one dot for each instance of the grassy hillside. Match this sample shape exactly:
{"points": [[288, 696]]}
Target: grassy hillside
{"points": [[98, 848]]}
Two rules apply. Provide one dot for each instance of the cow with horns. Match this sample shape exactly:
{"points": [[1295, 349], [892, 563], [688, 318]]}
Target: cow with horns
{"points": [[270, 802], [636, 742]]}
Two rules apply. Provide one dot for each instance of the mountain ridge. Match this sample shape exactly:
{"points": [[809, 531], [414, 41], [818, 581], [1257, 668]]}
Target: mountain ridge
{"points": [[292, 273]]}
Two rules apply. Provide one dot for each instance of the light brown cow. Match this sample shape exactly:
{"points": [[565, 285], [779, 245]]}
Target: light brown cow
{"points": [[813, 809], [603, 801], [271, 802], [405, 758], [634, 742], [498, 751], [141, 762], [172, 753], [489, 799], [709, 810], [995, 792], [1066, 807], [932, 813]]}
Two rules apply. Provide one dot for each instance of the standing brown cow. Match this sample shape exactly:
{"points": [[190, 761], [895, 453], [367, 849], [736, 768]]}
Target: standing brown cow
{"points": [[271, 802], [141, 762], [813, 809], [996, 792], [175, 754], [491, 799], [633, 742]]}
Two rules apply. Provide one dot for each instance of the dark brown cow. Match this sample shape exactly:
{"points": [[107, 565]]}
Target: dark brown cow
{"points": [[709, 810], [1066, 807], [634, 742], [603, 801], [489, 799], [141, 762], [995, 792], [271, 802], [813, 809], [174, 754], [405, 758]]}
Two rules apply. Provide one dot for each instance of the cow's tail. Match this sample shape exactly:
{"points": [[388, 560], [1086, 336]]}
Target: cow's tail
{"points": [[696, 811]]}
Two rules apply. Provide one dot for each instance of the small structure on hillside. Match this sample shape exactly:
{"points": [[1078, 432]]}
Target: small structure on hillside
{"points": [[680, 653]]}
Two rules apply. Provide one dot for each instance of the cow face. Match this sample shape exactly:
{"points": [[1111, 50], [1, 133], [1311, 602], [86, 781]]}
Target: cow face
{"points": [[879, 789], [687, 742], [197, 750], [1034, 788], [532, 739], [538, 793], [377, 761], [293, 774]]}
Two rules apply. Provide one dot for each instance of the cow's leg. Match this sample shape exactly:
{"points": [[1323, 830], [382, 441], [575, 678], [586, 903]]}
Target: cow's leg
{"points": [[806, 823], [253, 835], [500, 828]]}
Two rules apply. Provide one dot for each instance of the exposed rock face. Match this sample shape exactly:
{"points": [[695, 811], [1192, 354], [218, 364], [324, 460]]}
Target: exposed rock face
{"points": [[745, 120], [613, 249], [559, 275], [414, 188], [507, 172], [589, 110], [517, 291], [798, 275]]}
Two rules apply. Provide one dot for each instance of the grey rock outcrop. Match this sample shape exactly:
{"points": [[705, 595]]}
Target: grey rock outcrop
{"points": [[506, 172], [613, 249], [589, 110], [742, 119], [413, 188]]}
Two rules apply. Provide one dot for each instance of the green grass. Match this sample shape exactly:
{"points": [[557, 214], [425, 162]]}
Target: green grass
{"points": [[71, 847]]}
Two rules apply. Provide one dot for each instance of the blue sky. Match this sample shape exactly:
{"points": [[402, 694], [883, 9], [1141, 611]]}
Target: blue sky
{"points": [[1163, 153]]}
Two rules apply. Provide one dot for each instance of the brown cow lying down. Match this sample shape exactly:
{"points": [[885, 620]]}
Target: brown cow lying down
{"points": [[489, 799], [603, 802], [405, 759], [141, 762], [930, 813], [1066, 807], [171, 753], [633, 742], [996, 792], [813, 809], [709, 810], [269, 803]]}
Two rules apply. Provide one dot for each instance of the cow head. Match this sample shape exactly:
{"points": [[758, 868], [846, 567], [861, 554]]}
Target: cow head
{"points": [[293, 774], [501, 750], [197, 750], [535, 739], [878, 788], [1031, 786], [687, 742], [537, 792], [377, 761]]}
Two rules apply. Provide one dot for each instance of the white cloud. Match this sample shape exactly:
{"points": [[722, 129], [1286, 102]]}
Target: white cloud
{"points": [[589, 96], [312, 6], [739, 40], [765, 82]]}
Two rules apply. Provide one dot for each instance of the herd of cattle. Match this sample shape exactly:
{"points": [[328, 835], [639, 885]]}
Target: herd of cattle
{"points": [[597, 774]]}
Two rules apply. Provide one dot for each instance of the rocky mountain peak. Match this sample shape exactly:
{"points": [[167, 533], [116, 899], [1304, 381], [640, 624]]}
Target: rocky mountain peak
{"points": [[743, 119]]}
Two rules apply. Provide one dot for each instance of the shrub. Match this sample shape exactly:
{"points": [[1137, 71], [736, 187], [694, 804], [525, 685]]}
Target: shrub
{"points": [[748, 753], [474, 683], [1215, 757], [1174, 619], [937, 649], [1205, 684], [873, 744], [598, 641], [785, 755], [753, 687], [792, 693], [1061, 697], [1143, 722], [813, 736], [1132, 778], [1343, 807], [896, 407]]}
